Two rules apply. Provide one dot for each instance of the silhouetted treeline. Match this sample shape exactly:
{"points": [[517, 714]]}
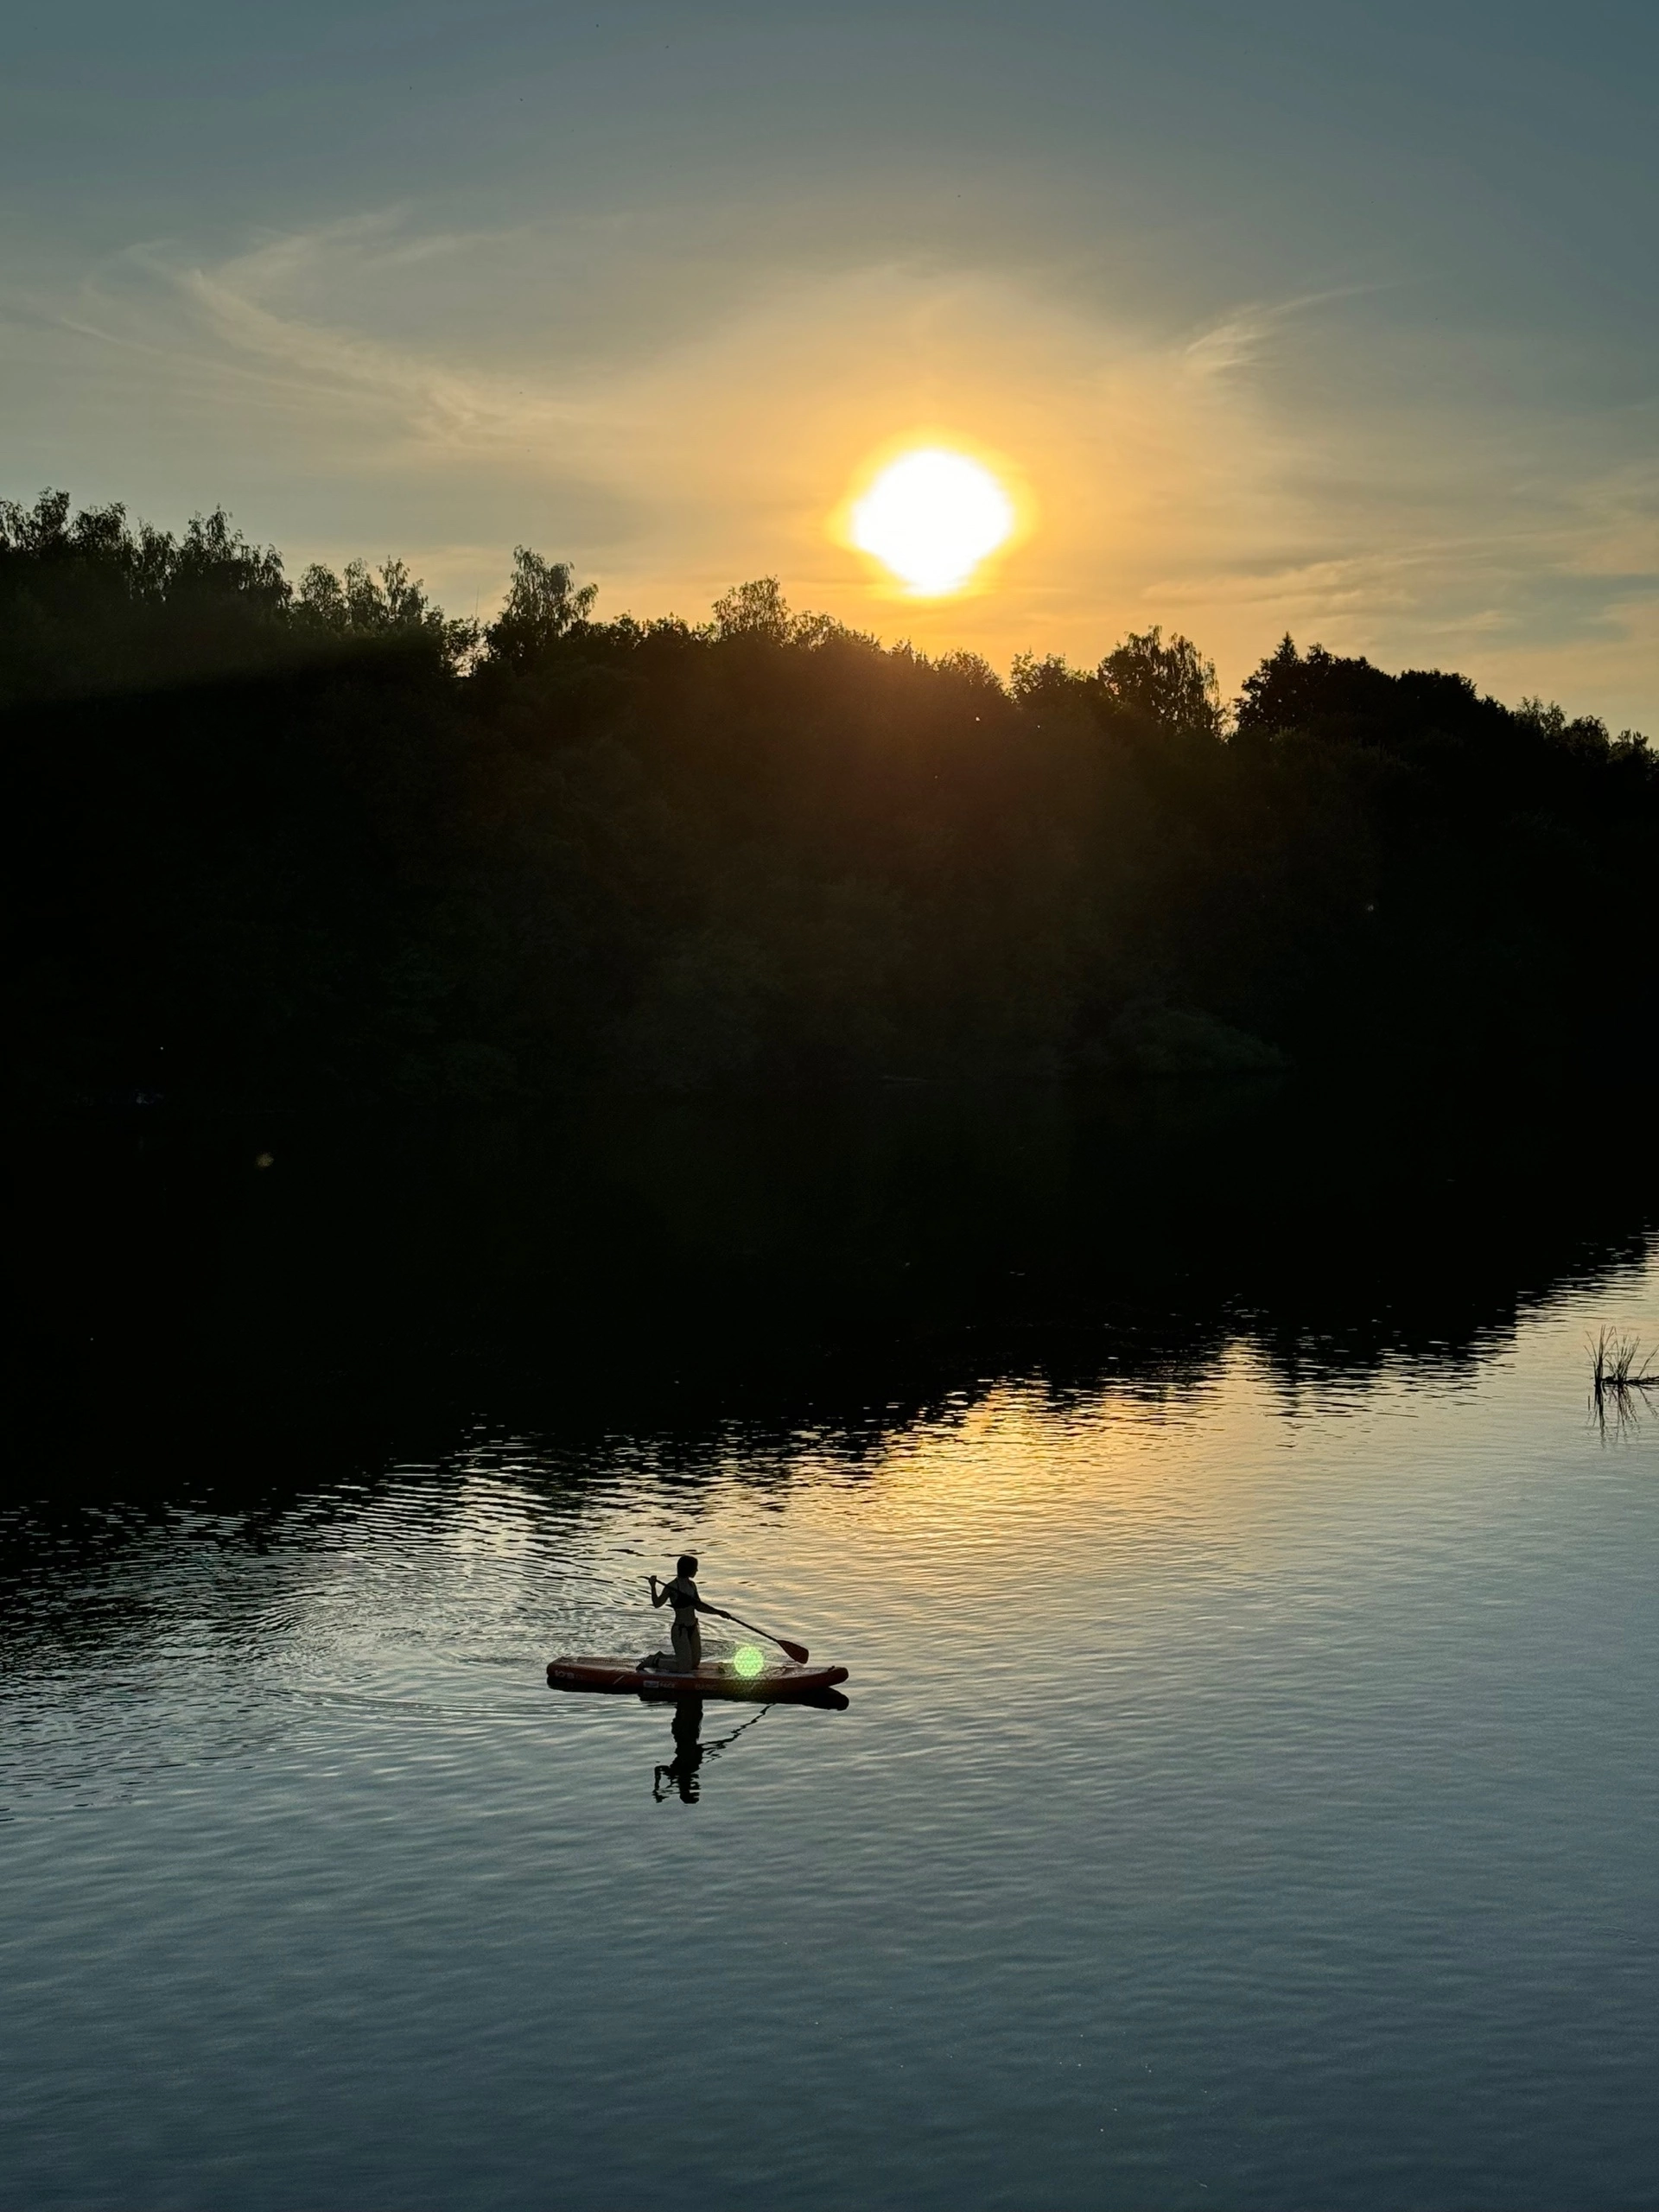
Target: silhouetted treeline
{"points": [[287, 842]]}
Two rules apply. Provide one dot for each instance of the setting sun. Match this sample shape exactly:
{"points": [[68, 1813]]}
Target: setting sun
{"points": [[932, 517]]}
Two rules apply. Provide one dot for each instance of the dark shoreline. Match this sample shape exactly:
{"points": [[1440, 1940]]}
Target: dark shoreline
{"points": [[623, 1265]]}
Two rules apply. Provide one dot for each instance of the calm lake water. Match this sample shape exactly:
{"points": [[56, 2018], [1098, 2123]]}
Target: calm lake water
{"points": [[1247, 1797]]}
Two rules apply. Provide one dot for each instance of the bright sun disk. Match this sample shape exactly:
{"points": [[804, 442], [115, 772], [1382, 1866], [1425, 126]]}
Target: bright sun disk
{"points": [[932, 517]]}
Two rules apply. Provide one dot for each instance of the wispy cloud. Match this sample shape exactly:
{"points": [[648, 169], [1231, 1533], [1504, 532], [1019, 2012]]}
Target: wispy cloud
{"points": [[1177, 475]]}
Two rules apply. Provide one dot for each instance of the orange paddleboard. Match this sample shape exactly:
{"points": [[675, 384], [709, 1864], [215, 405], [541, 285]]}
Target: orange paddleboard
{"points": [[778, 1678]]}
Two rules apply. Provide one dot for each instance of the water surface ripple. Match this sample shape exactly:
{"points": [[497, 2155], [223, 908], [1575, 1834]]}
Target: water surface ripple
{"points": [[1246, 1797]]}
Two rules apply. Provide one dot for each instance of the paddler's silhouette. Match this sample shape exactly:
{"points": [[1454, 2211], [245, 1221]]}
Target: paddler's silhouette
{"points": [[687, 1600]]}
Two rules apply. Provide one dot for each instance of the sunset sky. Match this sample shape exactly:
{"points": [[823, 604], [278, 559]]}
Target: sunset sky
{"points": [[1335, 319]]}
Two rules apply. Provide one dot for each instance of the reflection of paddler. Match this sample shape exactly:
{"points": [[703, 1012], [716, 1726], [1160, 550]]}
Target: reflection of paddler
{"points": [[691, 1751], [682, 1595], [688, 1753]]}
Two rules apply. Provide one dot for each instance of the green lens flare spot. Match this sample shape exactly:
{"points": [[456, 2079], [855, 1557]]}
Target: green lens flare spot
{"points": [[747, 1661]]}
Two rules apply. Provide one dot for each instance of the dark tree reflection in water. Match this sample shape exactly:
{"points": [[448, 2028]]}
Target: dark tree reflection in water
{"points": [[638, 1267]]}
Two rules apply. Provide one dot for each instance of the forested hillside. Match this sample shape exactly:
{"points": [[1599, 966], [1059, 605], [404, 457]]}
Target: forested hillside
{"points": [[294, 844]]}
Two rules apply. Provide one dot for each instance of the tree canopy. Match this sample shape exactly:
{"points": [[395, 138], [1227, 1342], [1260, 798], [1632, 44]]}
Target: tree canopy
{"points": [[327, 840]]}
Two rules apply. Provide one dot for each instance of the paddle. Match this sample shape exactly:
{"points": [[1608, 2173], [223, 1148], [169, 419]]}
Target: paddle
{"points": [[797, 1652]]}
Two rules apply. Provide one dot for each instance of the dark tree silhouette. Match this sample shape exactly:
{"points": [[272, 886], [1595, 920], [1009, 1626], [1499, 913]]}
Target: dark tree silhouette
{"points": [[1170, 684], [290, 844]]}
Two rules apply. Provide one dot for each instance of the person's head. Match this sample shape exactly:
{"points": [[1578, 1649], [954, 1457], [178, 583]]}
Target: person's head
{"points": [[686, 1563]]}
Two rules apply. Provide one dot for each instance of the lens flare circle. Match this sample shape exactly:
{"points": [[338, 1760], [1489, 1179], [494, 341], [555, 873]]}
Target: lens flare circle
{"points": [[747, 1661], [932, 517]]}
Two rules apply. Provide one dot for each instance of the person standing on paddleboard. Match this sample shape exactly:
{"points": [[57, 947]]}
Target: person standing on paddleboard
{"points": [[682, 1595]]}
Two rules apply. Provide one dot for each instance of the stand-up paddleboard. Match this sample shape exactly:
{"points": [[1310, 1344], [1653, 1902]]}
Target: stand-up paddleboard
{"points": [[778, 1678]]}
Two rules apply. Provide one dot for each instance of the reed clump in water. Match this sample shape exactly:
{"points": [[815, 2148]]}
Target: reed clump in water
{"points": [[1619, 1369]]}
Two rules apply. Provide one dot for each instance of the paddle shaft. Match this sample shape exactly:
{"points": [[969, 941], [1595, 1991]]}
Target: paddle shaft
{"points": [[797, 1652]]}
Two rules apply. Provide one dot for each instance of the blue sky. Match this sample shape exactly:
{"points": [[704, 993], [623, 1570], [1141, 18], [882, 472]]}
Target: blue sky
{"points": [[1337, 319]]}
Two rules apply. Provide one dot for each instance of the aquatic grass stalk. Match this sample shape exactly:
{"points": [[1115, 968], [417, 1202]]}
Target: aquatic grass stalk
{"points": [[1619, 1368]]}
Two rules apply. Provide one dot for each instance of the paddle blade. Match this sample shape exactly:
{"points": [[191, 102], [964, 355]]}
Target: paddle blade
{"points": [[797, 1652]]}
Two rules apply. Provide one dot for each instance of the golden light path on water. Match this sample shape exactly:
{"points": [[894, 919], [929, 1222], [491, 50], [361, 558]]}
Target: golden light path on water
{"points": [[1099, 1518]]}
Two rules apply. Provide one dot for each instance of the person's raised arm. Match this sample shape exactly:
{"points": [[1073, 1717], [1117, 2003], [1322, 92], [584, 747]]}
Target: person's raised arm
{"points": [[658, 1597]]}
